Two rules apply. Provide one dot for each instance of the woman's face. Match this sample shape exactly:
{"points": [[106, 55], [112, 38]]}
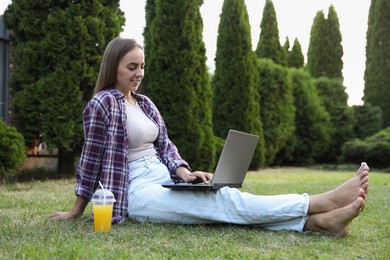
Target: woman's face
{"points": [[130, 71]]}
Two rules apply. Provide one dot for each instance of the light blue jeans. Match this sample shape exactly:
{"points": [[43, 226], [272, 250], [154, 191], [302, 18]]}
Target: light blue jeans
{"points": [[149, 201]]}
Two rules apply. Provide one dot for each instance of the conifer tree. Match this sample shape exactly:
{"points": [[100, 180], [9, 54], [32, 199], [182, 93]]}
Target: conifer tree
{"points": [[295, 57], [377, 73], [325, 64], [335, 50], [58, 47], [324, 57], [236, 98], [178, 81], [269, 43], [286, 46], [317, 56], [150, 13]]}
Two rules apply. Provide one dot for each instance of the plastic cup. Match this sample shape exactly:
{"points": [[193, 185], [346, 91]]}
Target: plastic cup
{"points": [[103, 201]]}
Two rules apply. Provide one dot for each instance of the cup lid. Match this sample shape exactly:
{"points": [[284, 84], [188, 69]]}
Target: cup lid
{"points": [[103, 196]]}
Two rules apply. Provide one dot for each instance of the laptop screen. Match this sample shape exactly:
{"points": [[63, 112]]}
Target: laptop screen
{"points": [[235, 158]]}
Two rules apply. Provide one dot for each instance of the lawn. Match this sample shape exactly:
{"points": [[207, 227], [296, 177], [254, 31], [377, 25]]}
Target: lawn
{"points": [[27, 233]]}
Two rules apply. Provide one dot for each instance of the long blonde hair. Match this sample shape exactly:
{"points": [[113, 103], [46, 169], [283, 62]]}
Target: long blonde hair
{"points": [[114, 52]]}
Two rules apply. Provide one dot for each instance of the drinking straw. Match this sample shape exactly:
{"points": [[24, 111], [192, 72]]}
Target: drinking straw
{"points": [[104, 194]]}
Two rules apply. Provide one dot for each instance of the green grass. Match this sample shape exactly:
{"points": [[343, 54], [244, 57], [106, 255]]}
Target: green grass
{"points": [[27, 233]]}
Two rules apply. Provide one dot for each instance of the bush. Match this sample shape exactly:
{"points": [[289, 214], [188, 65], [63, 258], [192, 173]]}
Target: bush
{"points": [[313, 128], [277, 110], [375, 150], [12, 150], [368, 120], [334, 98], [219, 143]]}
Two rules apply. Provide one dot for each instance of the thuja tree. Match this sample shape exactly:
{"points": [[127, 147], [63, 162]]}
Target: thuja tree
{"points": [[236, 99], [313, 127], [377, 73], [295, 58], [178, 80], [317, 50], [58, 47], [335, 49], [286, 46], [334, 98], [150, 13], [324, 56], [277, 107], [269, 43]]}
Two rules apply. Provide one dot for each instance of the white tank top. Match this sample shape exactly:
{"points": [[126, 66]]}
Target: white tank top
{"points": [[141, 132]]}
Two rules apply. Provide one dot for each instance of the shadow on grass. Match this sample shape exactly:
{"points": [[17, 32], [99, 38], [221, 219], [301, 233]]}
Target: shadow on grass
{"points": [[35, 174]]}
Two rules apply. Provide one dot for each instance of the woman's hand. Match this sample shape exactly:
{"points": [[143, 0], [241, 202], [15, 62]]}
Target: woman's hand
{"points": [[64, 215], [75, 212], [197, 176]]}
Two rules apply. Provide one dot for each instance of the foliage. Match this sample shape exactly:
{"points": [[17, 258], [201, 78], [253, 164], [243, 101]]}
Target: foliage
{"points": [[12, 152], [316, 54], [58, 47], [335, 49], [277, 107], [295, 58], [377, 73], [27, 232], [26, 104], [236, 98], [286, 45], [375, 150], [178, 81], [269, 44], [324, 56], [150, 14], [312, 123], [334, 98], [368, 120]]}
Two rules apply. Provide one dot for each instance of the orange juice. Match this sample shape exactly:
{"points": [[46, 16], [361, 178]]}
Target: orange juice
{"points": [[102, 217]]}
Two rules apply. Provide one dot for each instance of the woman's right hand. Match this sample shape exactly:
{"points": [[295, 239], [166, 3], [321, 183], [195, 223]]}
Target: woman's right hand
{"points": [[194, 177]]}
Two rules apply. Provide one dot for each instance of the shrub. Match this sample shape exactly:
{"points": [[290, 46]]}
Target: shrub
{"points": [[368, 120], [334, 98], [375, 150], [313, 128], [277, 110], [12, 150]]}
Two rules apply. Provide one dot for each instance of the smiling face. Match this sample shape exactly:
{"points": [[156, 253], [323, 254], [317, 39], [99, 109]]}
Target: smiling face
{"points": [[130, 71]]}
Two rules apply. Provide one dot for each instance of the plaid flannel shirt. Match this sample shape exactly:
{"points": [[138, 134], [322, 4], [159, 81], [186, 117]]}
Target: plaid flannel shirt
{"points": [[105, 151]]}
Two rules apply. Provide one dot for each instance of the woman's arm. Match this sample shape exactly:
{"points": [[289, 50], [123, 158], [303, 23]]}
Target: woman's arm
{"points": [[76, 212], [90, 160]]}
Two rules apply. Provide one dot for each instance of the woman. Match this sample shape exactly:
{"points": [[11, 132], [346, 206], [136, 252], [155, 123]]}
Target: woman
{"points": [[127, 148]]}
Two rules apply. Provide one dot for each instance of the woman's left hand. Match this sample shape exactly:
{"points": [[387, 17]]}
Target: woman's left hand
{"points": [[196, 176]]}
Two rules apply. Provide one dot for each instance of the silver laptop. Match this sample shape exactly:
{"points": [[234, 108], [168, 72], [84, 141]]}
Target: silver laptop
{"points": [[232, 165]]}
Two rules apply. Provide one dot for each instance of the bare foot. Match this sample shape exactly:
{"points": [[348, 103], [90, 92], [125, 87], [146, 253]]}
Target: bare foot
{"points": [[346, 192], [335, 222], [343, 195]]}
